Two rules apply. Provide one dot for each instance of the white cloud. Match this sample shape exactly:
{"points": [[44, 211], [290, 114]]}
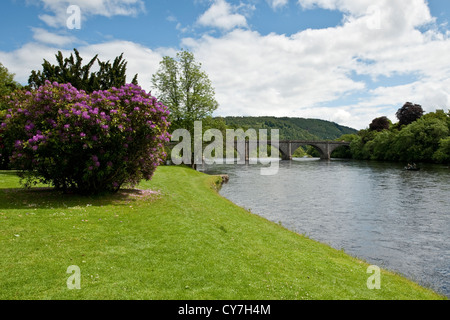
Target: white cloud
{"points": [[44, 36], [140, 60], [275, 4], [222, 15], [301, 74], [27, 58], [271, 75], [308, 74], [107, 8]]}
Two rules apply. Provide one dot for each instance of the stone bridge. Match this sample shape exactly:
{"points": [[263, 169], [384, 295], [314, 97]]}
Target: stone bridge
{"points": [[287, 148]]}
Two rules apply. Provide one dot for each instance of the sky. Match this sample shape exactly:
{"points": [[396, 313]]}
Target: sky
{"points": [[346, 61]]}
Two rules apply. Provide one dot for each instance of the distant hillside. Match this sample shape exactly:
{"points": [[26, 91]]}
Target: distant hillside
{"points": [[292, 128]]}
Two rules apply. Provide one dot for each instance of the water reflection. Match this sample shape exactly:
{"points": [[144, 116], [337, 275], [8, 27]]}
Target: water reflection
{"points": [[396, 219]]}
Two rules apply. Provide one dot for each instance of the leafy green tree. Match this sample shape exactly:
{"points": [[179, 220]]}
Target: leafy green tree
{"points": [[7, 85], [300, 153], [443, 153], [382, 146], [185, 89], [420, 140], [113, 75], [356, 147], [71, 70], [344, 152], [423, 140]]}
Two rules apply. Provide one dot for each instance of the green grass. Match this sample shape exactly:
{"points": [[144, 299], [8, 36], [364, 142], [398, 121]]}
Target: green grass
{"points": [[187, 242]]}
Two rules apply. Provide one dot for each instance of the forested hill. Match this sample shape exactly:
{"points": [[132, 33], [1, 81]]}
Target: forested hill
{"points": [[292, 128]]}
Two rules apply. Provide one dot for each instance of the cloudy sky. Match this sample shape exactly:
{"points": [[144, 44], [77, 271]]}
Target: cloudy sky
{"points": [[347, 61]]}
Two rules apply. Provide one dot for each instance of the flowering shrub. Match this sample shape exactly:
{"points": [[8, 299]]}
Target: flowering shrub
{"points": [[2, 151], [86, 143]]}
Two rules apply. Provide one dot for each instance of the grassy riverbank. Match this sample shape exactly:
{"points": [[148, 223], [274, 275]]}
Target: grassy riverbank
{"points": [[184, 242]]}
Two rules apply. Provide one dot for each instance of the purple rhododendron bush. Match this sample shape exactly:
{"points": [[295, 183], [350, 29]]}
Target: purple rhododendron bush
{"points": [[86, 143]]}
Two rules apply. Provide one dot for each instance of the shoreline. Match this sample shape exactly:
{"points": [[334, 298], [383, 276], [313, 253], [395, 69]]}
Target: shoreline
{"points": [[225, 179]]}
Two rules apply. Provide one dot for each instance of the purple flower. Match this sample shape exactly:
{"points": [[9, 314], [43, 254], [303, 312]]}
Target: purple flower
{"points": [[86, 115], [82, 134], [38, 137]]}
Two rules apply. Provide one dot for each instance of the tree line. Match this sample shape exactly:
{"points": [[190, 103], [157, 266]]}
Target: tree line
{"points": [[292, 128], [416, 137], [182, 85]]}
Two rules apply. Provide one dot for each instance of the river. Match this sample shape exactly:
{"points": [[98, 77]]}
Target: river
{"points": [[398, 220]]}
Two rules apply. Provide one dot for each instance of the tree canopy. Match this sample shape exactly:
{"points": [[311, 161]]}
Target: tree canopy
{"points": [[409, 113], [185, 89], [380, 124], [71, 70], [7, 85], [427, 139]]}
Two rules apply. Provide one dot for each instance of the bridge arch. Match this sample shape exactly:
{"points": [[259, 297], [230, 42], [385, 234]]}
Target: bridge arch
{"points": [[325, 148], [304, 149]]}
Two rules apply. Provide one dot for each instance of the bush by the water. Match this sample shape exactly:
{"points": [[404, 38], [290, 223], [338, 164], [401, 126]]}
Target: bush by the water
{"points": [[88, 143], [424, 140]]}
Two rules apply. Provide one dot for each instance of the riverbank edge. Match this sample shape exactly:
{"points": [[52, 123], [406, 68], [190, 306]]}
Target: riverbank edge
{"points": [[222, 179]]}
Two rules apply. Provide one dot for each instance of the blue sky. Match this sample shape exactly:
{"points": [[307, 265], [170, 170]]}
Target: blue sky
{"points": [[340, 60]]}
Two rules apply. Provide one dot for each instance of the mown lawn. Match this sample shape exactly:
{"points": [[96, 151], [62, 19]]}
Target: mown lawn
{"points": [[180, 241]]}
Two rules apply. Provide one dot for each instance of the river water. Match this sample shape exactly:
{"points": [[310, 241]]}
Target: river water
{"points": [[398, 220]]}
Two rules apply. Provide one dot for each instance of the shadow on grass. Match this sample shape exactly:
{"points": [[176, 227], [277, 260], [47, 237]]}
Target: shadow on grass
{"points": [[22, 198]]}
